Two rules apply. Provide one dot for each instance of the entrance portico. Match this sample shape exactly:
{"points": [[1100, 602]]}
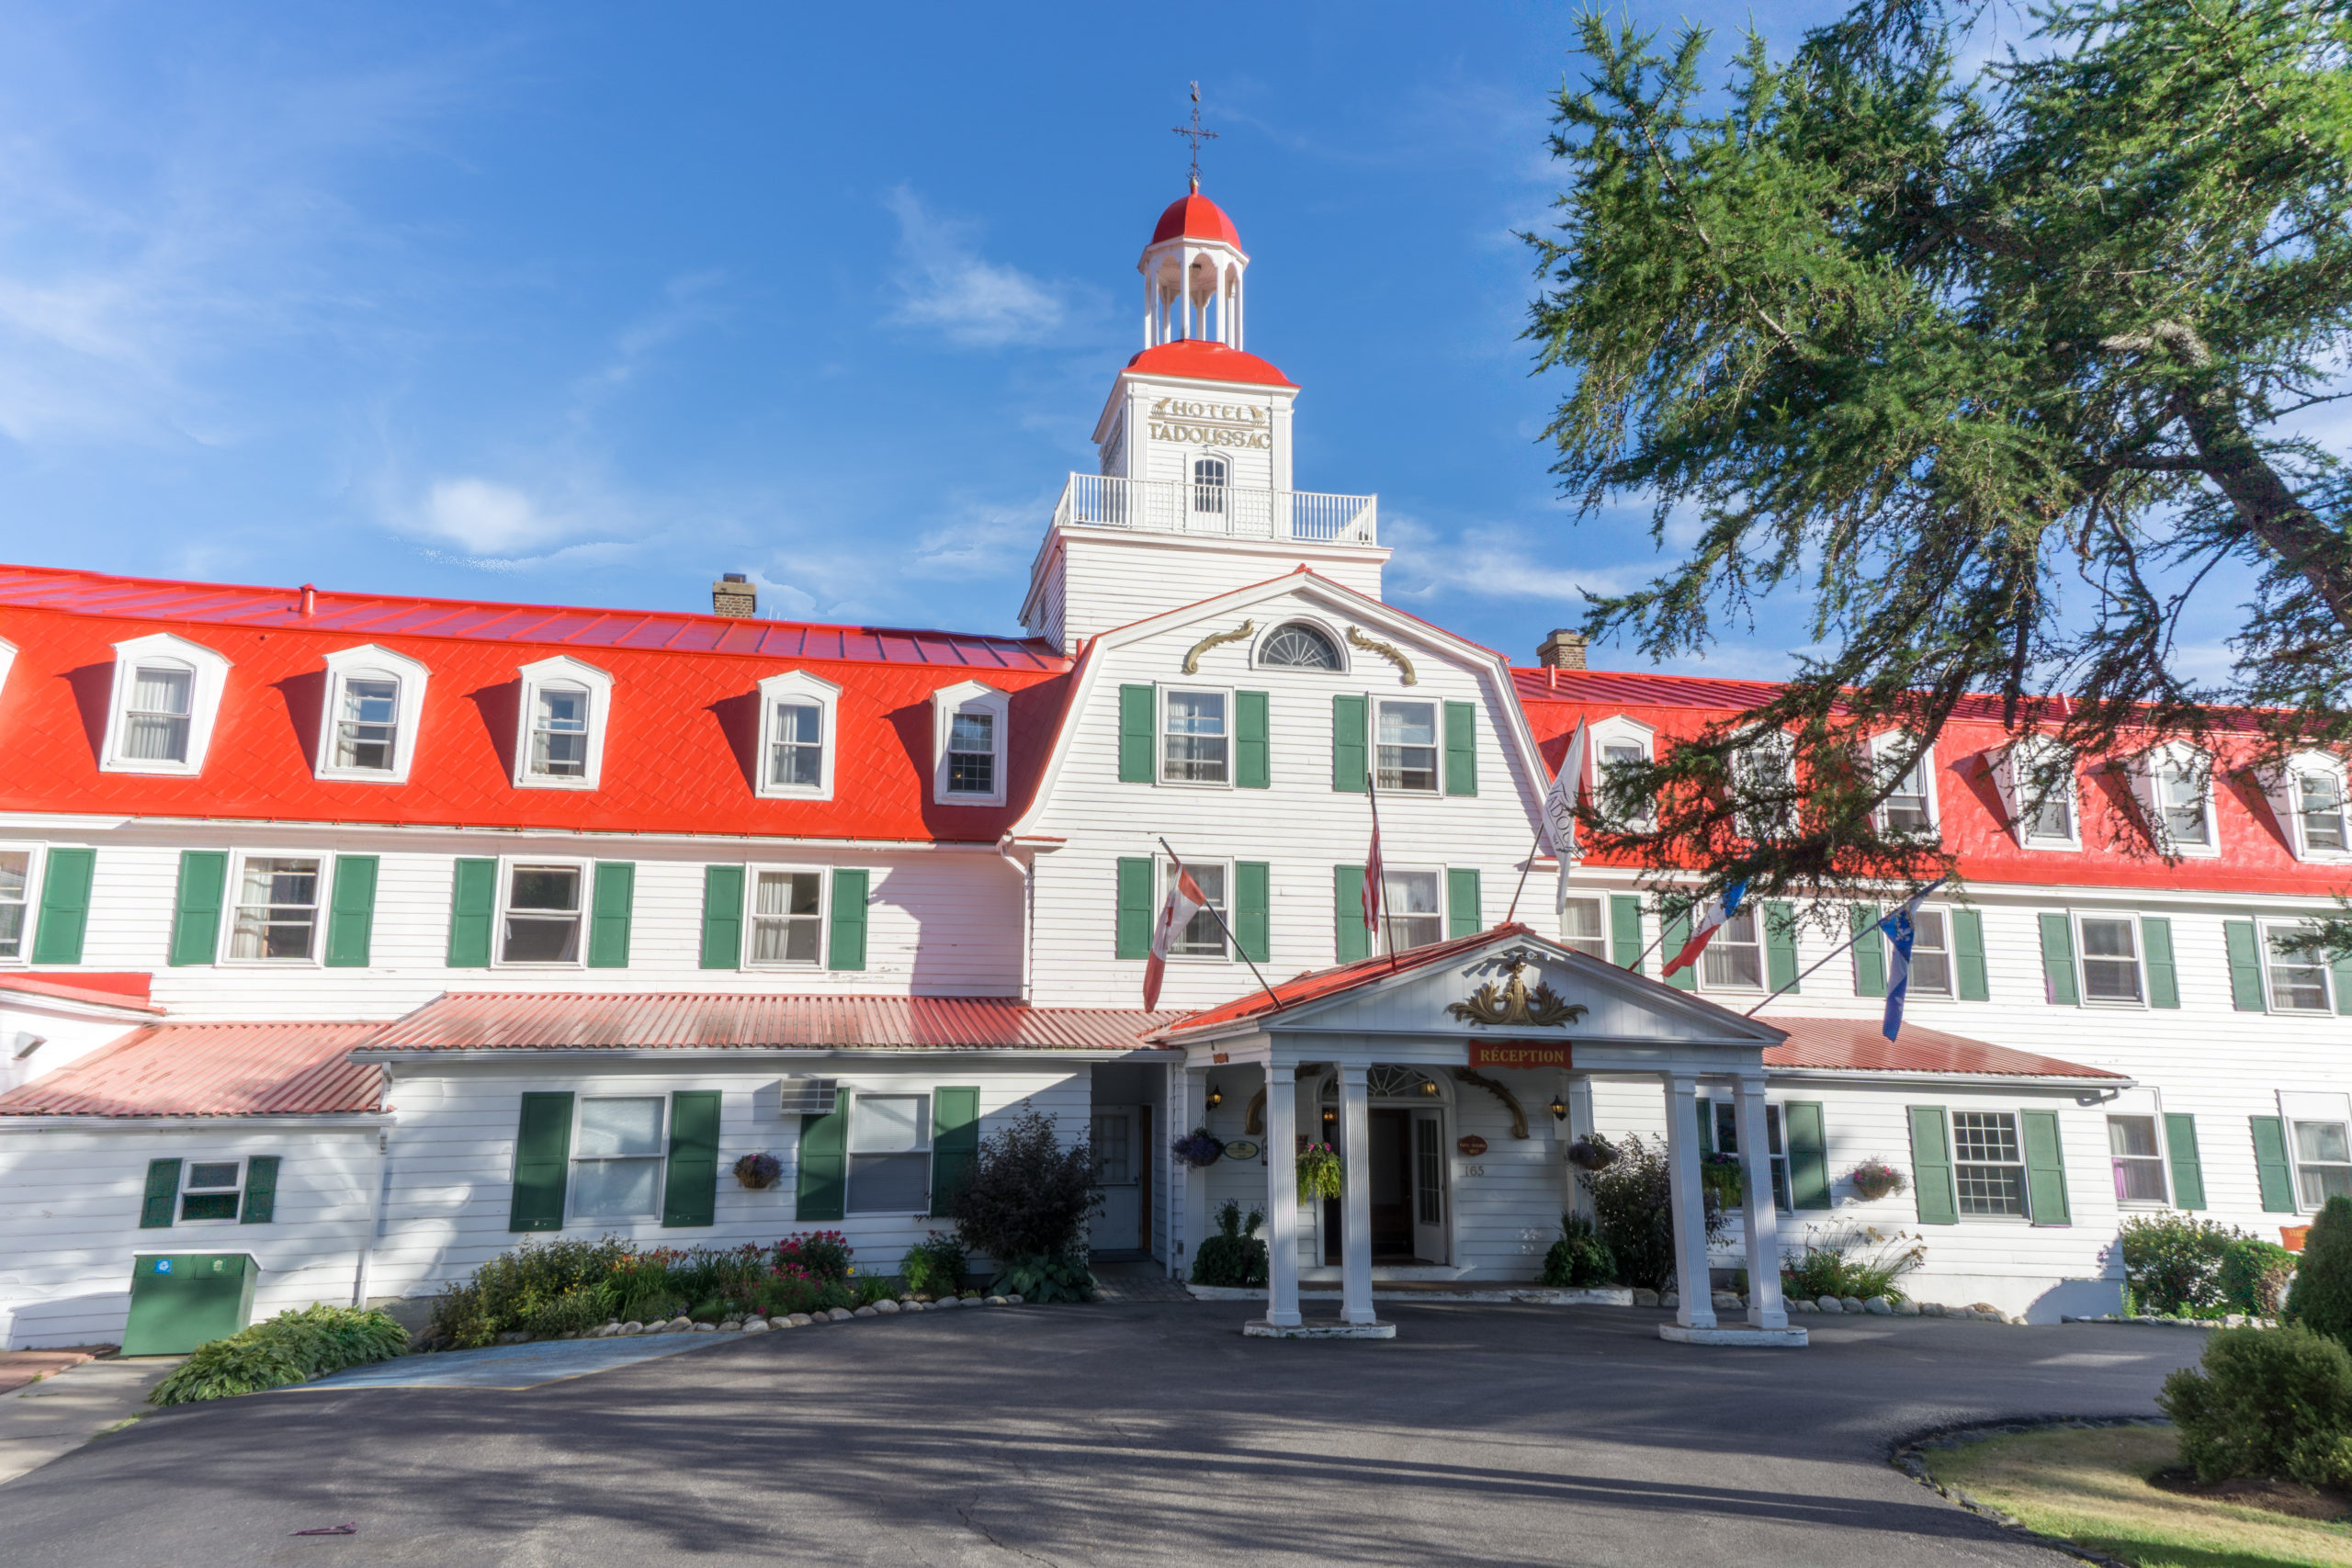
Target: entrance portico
{"points": [[1504, 1026]]}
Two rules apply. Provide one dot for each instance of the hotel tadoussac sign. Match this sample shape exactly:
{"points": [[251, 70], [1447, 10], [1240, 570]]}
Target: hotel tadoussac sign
{"points": [[1210, 424], [1520, 1054]]}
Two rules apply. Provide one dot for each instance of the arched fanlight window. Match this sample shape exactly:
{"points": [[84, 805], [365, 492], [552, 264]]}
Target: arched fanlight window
{"points": [[1299, 647]]}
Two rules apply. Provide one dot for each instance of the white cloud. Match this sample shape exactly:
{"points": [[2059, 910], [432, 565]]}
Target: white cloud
{"points": [[944, 283], [986, 541], [483, 518], [1496, 560]]}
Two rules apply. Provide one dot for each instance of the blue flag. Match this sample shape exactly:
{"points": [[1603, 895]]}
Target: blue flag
{"points": [[1899, 931]]}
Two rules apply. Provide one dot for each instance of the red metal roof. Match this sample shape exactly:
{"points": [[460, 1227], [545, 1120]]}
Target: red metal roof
{"points": [[1860, 1045], [212, 1069], [1318, 984], [1195, 216], [1198, 359], [682, 1021], [97, 989]]}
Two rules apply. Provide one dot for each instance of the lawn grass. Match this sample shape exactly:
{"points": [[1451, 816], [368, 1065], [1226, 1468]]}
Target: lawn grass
{"points": [[2090, 1487]]}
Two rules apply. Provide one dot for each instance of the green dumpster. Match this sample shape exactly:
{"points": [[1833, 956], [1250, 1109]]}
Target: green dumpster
{"points": [[181, 1300]]}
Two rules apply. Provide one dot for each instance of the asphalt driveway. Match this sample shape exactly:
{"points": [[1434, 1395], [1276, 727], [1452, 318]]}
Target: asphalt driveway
{"points": [[1136, 1433]]}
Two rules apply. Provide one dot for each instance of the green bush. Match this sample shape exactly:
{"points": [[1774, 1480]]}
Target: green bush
{"points": [[1046, 1279], [1632, 1206], [293, 1347], [1234, 1257], [934, 1266], [2321, 1297], [1853, 1261], [2173, 1264], [2270, 1403], [505, 1291], [576, 1311], [1029, 1195], [1579, 1258], [2254, 1275]]}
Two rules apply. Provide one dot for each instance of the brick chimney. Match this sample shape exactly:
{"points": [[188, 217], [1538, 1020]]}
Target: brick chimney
{"points": [[734, 595], [1563, 649]]}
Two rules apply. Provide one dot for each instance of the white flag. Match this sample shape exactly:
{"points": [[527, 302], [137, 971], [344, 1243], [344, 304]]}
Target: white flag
{"points": [[1560, 809]]}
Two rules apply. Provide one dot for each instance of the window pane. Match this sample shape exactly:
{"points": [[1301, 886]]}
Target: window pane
{"points": [[364, 732], [1415, 911], [610, 1127], [540, 940], [276, 909], [151, 740], [2323, 810], [213, 1173], [1582, 927], [2054, 818], [2132, 1136], [1986, 1168], [1112, 1154], [1732, 958], [2140, 1181], [2321, 1143], [162, 691], [972, 732], [16, 875], [2326, 1181], [2297, 984], [1194, 747], [1905, 810], [888, 1124], [2182, 789], [1300, 647], [208, 1206], [12, 930], [2110, 960], [1405, 755], [614, 1189], [798, 759], [889, 1183], [1201, 936], [545, 887], [971, 754]]}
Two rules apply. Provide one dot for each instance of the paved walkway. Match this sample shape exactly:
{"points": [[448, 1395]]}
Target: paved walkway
{"points": [[19, 1368], [1139, 1281], [1141, 1434], [43, 1421]]}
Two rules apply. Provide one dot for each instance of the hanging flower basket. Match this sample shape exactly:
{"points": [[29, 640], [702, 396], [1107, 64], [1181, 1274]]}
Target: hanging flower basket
{"points": [[1874, 1179], [1722, 1176], [759, 1172], [1595, 1153], [1319, 1172], [1198, 1149]]}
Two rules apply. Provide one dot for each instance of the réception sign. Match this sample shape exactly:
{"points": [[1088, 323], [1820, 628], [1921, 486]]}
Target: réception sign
{"points": [[1519, 1053]]}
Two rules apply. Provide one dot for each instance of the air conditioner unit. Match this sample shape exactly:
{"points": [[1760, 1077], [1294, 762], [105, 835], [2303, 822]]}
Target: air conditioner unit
{"points": [[807, 1097]]}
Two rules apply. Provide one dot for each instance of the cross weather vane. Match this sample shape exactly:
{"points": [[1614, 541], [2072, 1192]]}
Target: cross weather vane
{"points": [[1197, 134]]}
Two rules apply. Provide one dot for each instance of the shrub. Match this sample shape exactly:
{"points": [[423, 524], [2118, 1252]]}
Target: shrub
{"points": [[1579, 1258], [1854, 1261], [934, 1266], [1233, 1257], [2322, 1298], [291, 1348], [1632, 1203], [1028, 1195], [824, 1255], [1046, 1278], [641, 1288], [507, 1289], [2254, 1275], [2270, 1402], [2173, 1264], [576, 1311]]}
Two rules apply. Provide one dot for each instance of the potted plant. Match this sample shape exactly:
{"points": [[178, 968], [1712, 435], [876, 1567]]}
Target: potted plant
{"points": [[1722, 1176], [1198, 1148], [1874, 1179], [1319, 1172], [758, 1171], [1592, 1152]]}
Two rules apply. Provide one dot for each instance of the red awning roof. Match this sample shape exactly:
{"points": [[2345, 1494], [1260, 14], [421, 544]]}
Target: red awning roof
{"points": [[1859, 1045], [212, 1069], [127, 991], [689, 1020]]}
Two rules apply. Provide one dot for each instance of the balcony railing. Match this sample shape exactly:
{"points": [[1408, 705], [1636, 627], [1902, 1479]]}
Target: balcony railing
{"points": [[1171, 506]]}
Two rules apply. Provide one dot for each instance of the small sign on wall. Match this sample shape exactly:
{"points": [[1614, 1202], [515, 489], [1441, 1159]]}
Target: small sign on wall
{"points": [[1470, 1146], [1519, 1053]]}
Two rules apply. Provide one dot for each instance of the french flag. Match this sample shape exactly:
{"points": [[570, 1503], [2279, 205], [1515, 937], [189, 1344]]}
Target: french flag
{"points": [[1900, 930], [1709, 921], [1185, 899]]}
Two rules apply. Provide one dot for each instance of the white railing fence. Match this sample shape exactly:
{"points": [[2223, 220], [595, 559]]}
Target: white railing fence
{"points": [[1171, 506]]}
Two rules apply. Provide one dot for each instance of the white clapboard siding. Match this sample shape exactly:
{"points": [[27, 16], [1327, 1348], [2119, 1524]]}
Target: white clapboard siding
{"points": [[1105, 578]]}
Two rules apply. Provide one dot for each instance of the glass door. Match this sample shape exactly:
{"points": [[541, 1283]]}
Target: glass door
{"points": [[1430, 1229]]}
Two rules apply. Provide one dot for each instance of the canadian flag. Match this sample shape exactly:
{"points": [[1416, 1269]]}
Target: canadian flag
{"points": [[1185, 899]]}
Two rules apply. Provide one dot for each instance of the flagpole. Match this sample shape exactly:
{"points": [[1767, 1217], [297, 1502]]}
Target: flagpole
{"points": [[1380, 889], [1235, 940], [1574, 760], [1512, 913], [1834, 952]]}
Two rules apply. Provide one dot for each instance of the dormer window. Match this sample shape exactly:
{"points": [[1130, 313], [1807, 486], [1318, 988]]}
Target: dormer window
{"points": [[375, 701], [1909, 808], [2306, 793], [2176, 787], [567, 707], [1765, 768], [970, 721], [1618, 744], [2036, 778], [2319, 803], [167, 695], [796, 739], [971, 754]]}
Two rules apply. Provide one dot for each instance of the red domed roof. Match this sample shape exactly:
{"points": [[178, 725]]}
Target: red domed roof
{"points": [[1195, 216], [1199, 359]]}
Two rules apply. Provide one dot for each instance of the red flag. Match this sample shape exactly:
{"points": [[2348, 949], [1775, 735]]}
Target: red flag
{"points": [[1372, 876], [1185, 899]]}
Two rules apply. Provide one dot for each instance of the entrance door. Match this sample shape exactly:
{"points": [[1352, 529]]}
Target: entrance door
{"points": [[1118, 1165], [1429, 1186], [1392, 1210]]}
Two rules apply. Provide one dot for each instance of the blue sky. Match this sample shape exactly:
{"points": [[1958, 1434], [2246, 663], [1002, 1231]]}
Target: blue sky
{"points": [[588, 303]]}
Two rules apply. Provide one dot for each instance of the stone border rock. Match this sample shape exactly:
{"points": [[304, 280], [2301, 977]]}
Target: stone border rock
{"points": [[682, 1325], [1905, 1456], [2228, 1320]]}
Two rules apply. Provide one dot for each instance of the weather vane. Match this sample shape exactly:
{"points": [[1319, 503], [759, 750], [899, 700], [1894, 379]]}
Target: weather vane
{"points": [[1197, 134]]}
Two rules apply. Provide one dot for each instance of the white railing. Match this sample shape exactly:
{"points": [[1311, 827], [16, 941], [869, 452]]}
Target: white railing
{"points": [[1171, 506]]}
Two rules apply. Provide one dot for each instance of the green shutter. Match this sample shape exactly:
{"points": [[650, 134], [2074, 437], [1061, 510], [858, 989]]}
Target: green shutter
{"points": [[608, 914], [2187, 1170], [1465, 912], [195, 907], [1870, 951], [2058, 961], [1706, 1126], [1353, 941], [690, 1186], [1779, 946], [1131, 932], [473, 910], [64, 904], [1808, 1146], [2246, 966], [351, 913], [2275, 1177], [2155, 943], [954, 1143], [1253, 756], [1931, 1167], [542, 1162], [1350, 743], [1253, 909], [162, 1195], [1461, 747], [1968, 949], [824, 1163], [1624, 930], [261, 1191], [846, 947], [2341, 971], [2045, 1168], [1139, 708], [722, 917], [1677, 933]]}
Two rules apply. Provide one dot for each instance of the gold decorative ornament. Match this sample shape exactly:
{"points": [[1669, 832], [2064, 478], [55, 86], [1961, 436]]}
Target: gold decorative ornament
{"points": [[1511, 1100], [1514, 1003], [1193, 659], [1253, 1120], [1386, 650]]}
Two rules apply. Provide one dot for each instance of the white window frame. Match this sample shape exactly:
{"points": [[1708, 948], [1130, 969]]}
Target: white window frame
{"points": [[2013, 775], [1232, 733], [2025, 1183], [507, 864], [800, 687], [369, 661], [2321, 1109], [1337, 644], [1619, 730], [1436, 706], [1697, 971], [850, 1150], [752, 873], [1599, 903], [1950, 993], [185, 1190], [2131, 922], [1777, 742], [2162, 1160], [205, 690], [2263, 930], [8, 662], [1168, 881], [1886, 745], [969, 697], [1444, 912], [659, 1159], [225, 939], [563, 670], [36, 858], [2147, 772], [2282, 783]]}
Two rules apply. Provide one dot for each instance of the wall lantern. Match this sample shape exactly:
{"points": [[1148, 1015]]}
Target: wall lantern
{"points": [[1559, 1108], [1330, 1117], [1429, 1088], [1216, 1097]]}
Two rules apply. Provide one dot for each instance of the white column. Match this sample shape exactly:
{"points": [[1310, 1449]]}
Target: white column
{"points": [[1356, 1230], [1188, 1220], [1281, 1196], [1757, 1216], [1578, 1089], [1697, 1308]]}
